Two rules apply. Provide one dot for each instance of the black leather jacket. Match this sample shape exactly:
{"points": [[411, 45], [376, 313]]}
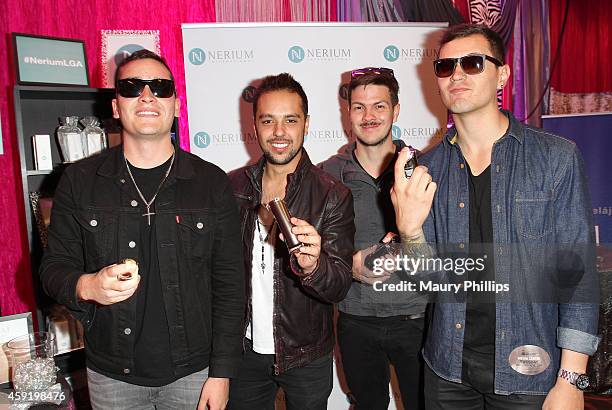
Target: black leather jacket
{"points": [[94, 224], [303, 307]]}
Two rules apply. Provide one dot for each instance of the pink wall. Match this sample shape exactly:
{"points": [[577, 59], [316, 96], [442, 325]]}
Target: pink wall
{"points": [[82, 19]]}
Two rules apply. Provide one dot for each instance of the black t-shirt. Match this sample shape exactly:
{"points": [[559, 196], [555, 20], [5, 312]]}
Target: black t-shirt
{"points": [[479, 337], [152, 356]]}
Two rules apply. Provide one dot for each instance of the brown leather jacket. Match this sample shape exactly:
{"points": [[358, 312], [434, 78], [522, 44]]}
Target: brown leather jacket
{"points": [[303, 306]]}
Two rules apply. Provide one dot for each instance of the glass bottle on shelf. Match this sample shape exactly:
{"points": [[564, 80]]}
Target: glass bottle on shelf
{"points": [[70, 139], [94, 136]]}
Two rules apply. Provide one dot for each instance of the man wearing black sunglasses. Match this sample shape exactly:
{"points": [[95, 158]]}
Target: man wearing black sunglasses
{"points": [[144, 249], [375, 329], [517, 196]]}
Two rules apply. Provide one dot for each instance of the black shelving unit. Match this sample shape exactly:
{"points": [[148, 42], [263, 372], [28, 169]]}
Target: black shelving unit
{"points": [[37, 109]]}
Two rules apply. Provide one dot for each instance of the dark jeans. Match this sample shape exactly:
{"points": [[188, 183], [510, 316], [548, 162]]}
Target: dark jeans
{"points": [[306, 388], [368, 344], [441, 394]]}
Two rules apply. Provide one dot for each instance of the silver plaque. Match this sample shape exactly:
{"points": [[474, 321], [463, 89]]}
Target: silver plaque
{"points": [[529, 360]]}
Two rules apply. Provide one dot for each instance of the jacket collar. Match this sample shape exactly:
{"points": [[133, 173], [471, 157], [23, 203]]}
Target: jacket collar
{"points": [[113, 165], [516, 130]]}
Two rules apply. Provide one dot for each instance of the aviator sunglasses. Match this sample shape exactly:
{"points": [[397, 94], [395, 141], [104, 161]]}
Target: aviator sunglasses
{"points": [[371, 70], [133, 87], [471, 64]]}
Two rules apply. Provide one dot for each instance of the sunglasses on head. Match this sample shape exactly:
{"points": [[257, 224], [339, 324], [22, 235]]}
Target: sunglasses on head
{"points": [[133, 87], [471, 64], [371, 70]]}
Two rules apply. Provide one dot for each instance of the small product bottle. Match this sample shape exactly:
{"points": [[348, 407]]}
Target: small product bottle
{"points": [[93, 136], [70, 139], [412, 162]]}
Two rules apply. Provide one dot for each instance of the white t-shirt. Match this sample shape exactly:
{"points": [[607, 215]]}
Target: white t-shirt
{"points": [[260, 330]]}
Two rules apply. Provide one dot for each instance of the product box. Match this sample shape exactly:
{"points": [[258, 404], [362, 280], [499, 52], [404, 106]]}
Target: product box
{"points": [[42, 152]]}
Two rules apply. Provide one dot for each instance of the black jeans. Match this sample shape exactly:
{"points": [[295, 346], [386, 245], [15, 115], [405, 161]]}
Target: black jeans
{"points": [[306, 388], [368, 344], [441, 394]]}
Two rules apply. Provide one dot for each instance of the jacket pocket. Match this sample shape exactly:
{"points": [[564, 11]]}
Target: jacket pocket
{"points": [[195, 232], [99, 230], [534, 213]]}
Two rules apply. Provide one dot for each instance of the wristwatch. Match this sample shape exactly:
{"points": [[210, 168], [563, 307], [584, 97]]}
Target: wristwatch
{"points": [[580, 380]]}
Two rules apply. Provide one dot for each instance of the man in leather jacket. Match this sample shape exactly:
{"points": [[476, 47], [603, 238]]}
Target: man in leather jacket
{"points": [[289, 334]]}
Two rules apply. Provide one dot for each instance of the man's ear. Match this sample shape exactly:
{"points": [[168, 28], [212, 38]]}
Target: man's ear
{"points": [[503, 76], [115, 109]]}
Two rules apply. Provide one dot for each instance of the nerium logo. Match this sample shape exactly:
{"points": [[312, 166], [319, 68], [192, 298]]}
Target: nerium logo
{"points": [[126, 51], [201, 139], [391, 53], [296, 54], [197, 56], [343, 91], [248, 94], [396, 133]]}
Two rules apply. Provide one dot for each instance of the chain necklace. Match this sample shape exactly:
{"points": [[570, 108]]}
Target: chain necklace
{"points": [[262, 241], [149, 203]]}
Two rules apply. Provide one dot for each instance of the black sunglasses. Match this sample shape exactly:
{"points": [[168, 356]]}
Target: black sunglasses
{"points": [[471, 64], [133, 87], [371, 70]]}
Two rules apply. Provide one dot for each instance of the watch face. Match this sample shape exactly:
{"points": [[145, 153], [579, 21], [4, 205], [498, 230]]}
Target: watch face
{"points": [[582, 382]]}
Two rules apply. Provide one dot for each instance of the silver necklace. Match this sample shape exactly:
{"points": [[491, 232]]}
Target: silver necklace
{"points": [[262, 241], [149, 203]]}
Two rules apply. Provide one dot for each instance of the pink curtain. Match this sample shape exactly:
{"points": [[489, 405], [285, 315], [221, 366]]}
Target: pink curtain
{"points": [[80, 19]]}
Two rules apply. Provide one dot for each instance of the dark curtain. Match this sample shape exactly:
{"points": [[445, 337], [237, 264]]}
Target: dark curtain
{"points": [[505, 25], [585, 60], [431, 10]]}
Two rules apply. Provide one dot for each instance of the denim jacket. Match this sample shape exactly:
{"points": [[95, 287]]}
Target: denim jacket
{"points": [[539, 199]]}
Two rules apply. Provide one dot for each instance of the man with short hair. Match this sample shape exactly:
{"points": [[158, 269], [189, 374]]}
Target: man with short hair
{"points": [[520, 195], [144, 250], [375, 331], [289, 338]]}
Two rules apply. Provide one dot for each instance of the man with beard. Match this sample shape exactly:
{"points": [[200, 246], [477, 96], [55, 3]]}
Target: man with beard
{"points": [[289, 334], [372, 333]]}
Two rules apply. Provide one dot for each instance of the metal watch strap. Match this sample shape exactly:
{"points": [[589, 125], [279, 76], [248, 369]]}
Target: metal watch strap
{"points": [[568, 375]]}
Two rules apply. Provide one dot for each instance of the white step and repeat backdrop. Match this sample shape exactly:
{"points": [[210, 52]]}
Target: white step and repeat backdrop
{"points": [[224, 63]]}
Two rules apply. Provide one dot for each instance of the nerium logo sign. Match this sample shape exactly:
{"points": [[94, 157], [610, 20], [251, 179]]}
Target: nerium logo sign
{"points": [[248, 94], [197, 56], [396, 133], [296, 54], [391, 53], [201, 139]]}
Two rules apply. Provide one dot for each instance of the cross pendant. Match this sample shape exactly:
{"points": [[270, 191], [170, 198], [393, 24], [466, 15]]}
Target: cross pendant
{"points": [[148, 215]]}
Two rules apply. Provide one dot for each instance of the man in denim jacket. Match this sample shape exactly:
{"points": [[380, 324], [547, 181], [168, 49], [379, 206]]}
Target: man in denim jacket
{"points": [[523, 192]]}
